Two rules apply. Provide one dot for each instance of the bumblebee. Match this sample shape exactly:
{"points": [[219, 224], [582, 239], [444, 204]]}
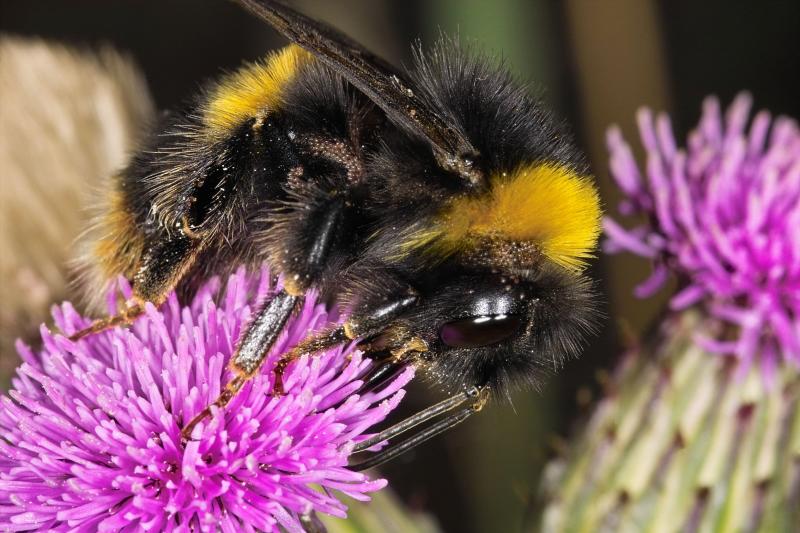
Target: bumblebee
{"points": [[443, 207]]}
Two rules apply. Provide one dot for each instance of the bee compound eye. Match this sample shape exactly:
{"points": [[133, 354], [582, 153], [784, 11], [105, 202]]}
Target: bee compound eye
{"points": [[474, 332]]}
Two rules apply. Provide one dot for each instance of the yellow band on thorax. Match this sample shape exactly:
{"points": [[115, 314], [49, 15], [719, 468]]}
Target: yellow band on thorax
{"points": [[548, 205]]}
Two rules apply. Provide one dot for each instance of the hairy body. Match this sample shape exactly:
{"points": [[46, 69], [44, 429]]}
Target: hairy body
{"points": [[443, 206]]}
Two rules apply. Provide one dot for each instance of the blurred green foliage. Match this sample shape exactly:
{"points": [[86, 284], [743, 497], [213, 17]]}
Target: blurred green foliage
{"points": [[682, 442]]}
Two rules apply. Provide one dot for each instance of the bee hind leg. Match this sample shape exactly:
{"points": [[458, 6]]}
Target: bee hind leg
{"points": [[162, 266], [260, 335], [126, 316]]}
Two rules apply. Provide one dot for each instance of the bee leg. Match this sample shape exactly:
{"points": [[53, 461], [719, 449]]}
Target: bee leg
{"points": [[131, 312], [163, 265], [319, 342], [374, 327], [400, 448], [230, 390], [262, 332], [251, 352], [476, 395], [384, 371]]}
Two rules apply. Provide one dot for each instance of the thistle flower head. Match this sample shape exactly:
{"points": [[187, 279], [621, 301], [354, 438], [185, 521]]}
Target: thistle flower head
{"points": [[91, 430], [724, 215]]}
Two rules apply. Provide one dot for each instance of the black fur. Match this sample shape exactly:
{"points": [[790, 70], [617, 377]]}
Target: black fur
{"points": [[499, 117], [259, 194]]}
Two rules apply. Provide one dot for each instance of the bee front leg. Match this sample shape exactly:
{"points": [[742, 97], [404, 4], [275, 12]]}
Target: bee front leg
{"points": [[475, 397]]}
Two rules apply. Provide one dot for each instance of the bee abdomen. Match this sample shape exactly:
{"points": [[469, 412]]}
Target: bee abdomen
{"points": [[110, 246], [252, 90]]}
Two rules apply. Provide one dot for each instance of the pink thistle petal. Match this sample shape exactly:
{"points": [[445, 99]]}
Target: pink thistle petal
{"points": [[651, 285], [92, 428], [623, 239], [724, 212]]}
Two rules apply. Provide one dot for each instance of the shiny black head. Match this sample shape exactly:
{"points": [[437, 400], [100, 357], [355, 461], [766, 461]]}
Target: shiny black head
{"points": [[504, 331]]}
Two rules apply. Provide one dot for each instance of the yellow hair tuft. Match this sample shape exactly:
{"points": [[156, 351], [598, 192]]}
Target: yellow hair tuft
{"points": [[548, 205], [252, 89]]}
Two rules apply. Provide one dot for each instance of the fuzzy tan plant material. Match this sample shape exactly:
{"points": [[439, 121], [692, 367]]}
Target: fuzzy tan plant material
{"points": [[68, 120]]}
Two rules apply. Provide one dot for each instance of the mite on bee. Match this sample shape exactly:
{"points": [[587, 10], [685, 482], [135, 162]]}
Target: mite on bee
{"points": [[442, 205]]}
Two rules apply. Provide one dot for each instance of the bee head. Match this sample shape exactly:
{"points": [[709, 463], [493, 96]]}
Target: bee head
{"points": [[505, 330]]}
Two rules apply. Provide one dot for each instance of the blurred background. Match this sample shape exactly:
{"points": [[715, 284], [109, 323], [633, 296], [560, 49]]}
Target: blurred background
{"points": [[593, 62]]}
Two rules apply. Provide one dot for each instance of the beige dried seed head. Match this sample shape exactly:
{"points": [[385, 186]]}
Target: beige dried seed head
{"points": [[69, 119]]}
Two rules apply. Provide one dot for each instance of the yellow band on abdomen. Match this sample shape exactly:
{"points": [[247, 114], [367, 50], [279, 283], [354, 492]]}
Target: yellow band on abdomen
{"points": [[252, 90]]}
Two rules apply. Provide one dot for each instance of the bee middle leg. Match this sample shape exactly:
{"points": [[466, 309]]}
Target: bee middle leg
{"points": [[384, 340], [252, 351], [261, 334]]}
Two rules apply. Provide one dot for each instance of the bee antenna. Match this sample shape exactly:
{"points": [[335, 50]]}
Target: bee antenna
{"points": [[478, 397]]}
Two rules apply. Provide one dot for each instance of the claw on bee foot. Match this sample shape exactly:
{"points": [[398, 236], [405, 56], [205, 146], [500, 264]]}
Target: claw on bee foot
{"points": [[227, 394]]}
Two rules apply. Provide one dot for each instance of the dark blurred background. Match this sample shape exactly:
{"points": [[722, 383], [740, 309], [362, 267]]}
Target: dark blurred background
{"points": [[594, 62]]}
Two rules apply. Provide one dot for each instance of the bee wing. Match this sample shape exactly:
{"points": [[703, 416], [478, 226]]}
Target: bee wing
{"points": [[378, 80]]}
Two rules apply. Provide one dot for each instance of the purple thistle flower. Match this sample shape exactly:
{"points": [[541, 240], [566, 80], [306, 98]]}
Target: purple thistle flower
{"points": [[724, 214], [92, 429]]}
